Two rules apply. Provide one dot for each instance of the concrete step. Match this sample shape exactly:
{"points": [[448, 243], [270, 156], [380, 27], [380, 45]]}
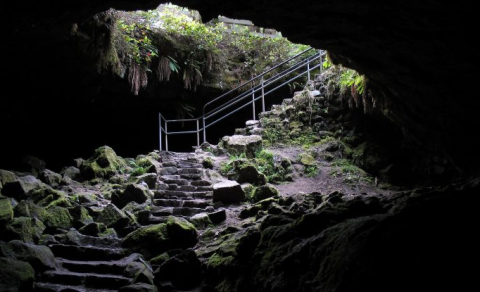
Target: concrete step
{"points": [[91, 280], [87, 253]]}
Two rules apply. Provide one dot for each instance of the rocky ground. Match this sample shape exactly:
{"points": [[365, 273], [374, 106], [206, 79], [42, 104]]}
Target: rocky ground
{"points": [[249, 214]]}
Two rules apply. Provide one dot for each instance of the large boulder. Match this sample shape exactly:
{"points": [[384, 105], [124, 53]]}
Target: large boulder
{"points": [[6, 211], [20, 188], [15, 275], [72, 172], [27, 208], [264, 192], [111, 216], [51, 178], [238, 145], [103, 164], [155, 239], [39, 256], [184, 271], [58, 218], [228, 192], [133, 193], [5, 177], [245, 172], [25, 229]]}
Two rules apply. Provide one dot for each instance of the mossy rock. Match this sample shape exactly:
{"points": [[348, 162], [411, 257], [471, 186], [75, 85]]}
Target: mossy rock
{"points": [[238, 145], [58, 218], [80, 216], [113, 217], [29, 209], [150, 240], [103, 164], [264, 192], [93, 229], [307, 159], [48, 197], [39, 256], [217, 261], [201, 221], [6, 177], [207, 162], [6, 211], [16, 275], [182, 233], [21, 187], [132, 193], [25, 229], [245, 172], [160, 259]]}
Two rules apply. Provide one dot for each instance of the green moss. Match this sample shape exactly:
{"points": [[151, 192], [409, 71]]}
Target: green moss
{"points": [[6, 211], [217, 261], [16, 275], [58, 218], [109, 233], [25, 229], [150, 235], [104, 164], [264, 192], [160, 259], [307, 159], [207, 162]]}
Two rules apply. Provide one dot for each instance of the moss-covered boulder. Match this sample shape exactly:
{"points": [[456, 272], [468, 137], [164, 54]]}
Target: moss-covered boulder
{"points": [[181, 232], [6, 177], [150, 241], [58, 218], [133, 193], [6, 211], [25, 229], [156, 239], [184, 271], [39, 256], [264, 192], [51, 178], [103, 164], [245, 172], [80, 216], [112, 216], [29, 209], [48, 197], [307, 159], [238, 145], [15, 275], [20, 188], [201, 221]]}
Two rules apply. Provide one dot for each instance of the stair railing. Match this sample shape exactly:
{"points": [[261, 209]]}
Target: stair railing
{"points": [[251, 91]]}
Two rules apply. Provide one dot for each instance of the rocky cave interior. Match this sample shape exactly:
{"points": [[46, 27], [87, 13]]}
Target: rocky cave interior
{"points": [[420, 60]]}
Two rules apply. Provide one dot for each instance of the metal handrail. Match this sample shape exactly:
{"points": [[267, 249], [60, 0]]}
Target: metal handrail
{"points": [[249, 93]]}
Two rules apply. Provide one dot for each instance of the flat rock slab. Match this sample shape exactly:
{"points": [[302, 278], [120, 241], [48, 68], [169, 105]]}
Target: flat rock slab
{"points": [[238, 144], [228, 192]]}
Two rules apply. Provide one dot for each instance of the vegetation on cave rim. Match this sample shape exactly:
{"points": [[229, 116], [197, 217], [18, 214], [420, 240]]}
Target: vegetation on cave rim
{"points": [[171, 43]]}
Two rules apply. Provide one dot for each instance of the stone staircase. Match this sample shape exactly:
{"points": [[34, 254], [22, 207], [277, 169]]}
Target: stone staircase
{"points": [[183, 190], [89, 264]]}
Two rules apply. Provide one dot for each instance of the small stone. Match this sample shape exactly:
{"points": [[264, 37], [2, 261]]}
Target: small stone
{"points": [[201, 221], [218, 216]]}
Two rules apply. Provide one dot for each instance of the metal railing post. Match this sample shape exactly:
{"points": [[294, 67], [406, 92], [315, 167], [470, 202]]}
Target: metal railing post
{"points": [[263, 95], [160, 130], [204, 128], [321, 61], [308, 69], [253, 102], [198, 133], [166, 136]]}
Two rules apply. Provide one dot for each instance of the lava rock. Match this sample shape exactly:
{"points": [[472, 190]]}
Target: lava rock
{"points": [[39, 256], [132, 193], [111, 216], [228, 192], [237, 145], [15, 275], [6, 211], [264, 192], [51, 178], [20, 188], [103, 164]]}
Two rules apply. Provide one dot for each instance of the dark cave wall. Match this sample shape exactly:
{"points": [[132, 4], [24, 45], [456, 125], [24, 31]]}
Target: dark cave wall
{"points": [[418, 57]]}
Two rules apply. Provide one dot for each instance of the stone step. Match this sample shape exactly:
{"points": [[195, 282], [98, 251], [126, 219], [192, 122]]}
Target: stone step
{"points": [[76, 238], [99, 267], [188, 164], [201, 183], [174, 179], [51, 287], [185, 171], [176, 211], [169, 203], [87, 253], [90, 280], [191, 176], [184, 194]]}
